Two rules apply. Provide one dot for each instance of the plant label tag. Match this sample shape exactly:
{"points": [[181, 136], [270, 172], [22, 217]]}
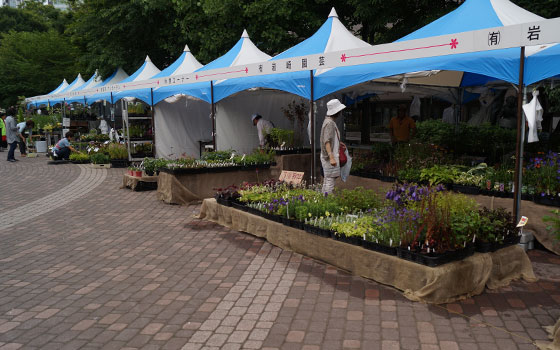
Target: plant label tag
{"points": [[232, 155], [523, 221], [282, 145], [502, 187], [243, 158], [292, 177], [474, 238], [488, 184]]}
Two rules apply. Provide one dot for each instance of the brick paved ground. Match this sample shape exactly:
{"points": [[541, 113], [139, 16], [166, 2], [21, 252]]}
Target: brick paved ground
{"points": [[112, 269]]}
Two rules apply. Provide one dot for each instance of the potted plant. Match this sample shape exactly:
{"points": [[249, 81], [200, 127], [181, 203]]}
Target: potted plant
{"points": [[118, 154], [79, 158], [100, 160]]}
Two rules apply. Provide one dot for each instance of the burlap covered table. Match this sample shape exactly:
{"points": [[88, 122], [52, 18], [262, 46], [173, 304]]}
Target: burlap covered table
{"points": [[533, 211], [186, 188], [132, 182], [554, 334], [443, 284]]}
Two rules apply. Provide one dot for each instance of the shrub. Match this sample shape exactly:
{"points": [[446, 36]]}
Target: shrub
{"points": [[117, 151], [100, 158]]}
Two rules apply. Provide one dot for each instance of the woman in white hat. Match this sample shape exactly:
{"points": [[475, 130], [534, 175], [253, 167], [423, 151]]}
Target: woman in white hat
{"points": [[330, 142]]}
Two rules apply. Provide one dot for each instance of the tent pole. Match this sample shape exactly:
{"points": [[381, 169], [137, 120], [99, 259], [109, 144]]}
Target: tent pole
{"points": [[213, 113], [312, 120], [520, 140], [153, 124], [113, 108]]}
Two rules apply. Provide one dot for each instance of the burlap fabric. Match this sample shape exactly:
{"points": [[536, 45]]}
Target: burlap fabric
{"points": [[443, 284], [554, 334], [533, 211], [132, 181], [185, 188]]}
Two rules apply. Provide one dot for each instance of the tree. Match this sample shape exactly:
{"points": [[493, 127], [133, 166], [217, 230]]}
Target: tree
{"points": [[120, 33], [33, 63]]}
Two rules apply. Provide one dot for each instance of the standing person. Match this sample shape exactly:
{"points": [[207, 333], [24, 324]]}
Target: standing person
{"points": [[3, 143], [63, 147], [402, 127], [11, 133], [28, 125], [263, 127], [330, 143]]}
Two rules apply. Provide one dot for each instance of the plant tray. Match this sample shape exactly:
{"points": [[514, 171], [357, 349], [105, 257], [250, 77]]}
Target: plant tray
{"points": [[100, 166], [224, 202], [547, 200], [119, 163], [239, 206], [466, 189]]}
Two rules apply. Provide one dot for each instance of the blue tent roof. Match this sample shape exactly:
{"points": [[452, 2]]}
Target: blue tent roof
{"points": [[331, 36], [478, 67], [118, 75], [244, 51]]}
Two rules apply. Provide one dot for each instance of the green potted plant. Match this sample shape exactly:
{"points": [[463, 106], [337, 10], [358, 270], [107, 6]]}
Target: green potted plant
{"points": [[100, 160], [118, 155], [79, 158]]}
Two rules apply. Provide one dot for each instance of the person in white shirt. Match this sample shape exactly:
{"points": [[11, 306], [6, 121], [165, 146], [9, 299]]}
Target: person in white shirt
{"points": [[263, 127], [21, 127]]}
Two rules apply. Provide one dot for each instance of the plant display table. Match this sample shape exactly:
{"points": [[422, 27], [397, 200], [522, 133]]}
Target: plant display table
{"points": [[182, 186], [443, 284], [530, 209], [187, 185], [144, 183]]}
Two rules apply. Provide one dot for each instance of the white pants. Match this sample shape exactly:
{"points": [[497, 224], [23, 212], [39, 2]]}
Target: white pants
{"points": [[328, 184]]}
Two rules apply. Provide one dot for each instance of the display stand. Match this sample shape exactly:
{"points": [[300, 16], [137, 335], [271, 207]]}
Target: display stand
{"points": [[442, 284]]}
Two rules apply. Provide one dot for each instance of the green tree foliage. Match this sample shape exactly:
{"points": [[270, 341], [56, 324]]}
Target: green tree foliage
{"points": [[33, 63], [120, 33], [20, 21]]}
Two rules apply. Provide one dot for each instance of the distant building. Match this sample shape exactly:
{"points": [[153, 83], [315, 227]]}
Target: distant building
{"points": [[58, 4]]}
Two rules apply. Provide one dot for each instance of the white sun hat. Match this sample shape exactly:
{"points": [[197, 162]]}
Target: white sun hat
{"points": [[334, 106]]}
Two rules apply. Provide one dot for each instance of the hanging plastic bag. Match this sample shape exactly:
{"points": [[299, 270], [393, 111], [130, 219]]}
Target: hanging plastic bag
{"points": [[345, 170]]}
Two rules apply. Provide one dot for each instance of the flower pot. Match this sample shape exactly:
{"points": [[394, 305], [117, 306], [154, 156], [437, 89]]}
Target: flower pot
{"points": [[466, 189], [149, 172], [483, 247], [137, 173]]}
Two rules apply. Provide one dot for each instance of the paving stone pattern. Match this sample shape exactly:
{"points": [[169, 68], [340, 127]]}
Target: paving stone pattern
{"points": [[115, 269]]}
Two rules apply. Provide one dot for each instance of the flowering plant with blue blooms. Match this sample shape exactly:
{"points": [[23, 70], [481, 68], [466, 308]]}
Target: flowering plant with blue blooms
{"points": [[544, 174]]}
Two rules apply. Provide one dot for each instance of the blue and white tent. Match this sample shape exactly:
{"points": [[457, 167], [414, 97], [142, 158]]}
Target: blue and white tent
{"points": [[244, 52], [76, 84], [46, 101], [92, 82], [145, 72], [471, 69], [182, 111], [118, 75], [331, 36], [186, 63], [180, 126]]}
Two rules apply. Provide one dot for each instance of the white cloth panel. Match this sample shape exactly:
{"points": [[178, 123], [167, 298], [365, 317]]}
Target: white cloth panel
{"points": [[510, 14], [179, 126], [533, 113], [234, 127]]}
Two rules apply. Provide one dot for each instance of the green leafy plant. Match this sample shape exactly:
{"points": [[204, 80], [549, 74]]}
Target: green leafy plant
{"points": [[100, 158], [553, 222], [281, 136], [79, 157], [440, 174], [117, 151]]}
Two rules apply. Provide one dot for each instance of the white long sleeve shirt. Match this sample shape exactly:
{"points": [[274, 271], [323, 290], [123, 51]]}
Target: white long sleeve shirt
{"points": [[263, 128]]}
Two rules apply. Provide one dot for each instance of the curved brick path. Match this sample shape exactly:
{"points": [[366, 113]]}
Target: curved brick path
{"points": [[121, 270], [87, 180]]}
